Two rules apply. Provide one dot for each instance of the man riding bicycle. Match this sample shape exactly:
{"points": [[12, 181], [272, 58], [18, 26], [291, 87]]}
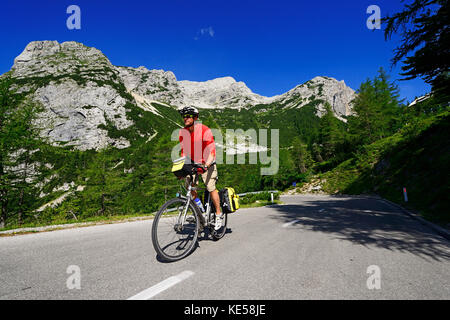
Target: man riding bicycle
{"points": [[197, 142]]}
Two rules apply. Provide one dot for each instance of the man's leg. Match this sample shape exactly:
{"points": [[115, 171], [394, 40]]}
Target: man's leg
{"points": [[209, 178], [186, 185], [216, 201]]}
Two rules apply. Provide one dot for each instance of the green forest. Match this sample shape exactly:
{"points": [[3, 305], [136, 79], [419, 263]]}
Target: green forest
{"points": [[385, 145]]}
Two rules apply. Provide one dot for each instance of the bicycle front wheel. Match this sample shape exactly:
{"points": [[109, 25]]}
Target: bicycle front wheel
{"points": [[173, 235]]}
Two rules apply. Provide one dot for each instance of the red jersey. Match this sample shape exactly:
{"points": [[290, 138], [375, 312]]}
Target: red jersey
{"points": [[197, 144]]}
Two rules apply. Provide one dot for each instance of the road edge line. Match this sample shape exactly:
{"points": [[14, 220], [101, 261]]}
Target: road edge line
{"points": [[441, 231]]}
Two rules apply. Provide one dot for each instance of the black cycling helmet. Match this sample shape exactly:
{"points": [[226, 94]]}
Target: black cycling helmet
{"points": [[189, 110]]}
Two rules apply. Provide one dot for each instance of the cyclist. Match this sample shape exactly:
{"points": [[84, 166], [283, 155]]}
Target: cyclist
{"points": [[197, 142]]}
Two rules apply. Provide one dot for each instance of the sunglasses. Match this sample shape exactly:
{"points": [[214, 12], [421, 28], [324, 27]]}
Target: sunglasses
{"points": [[187, 116]]}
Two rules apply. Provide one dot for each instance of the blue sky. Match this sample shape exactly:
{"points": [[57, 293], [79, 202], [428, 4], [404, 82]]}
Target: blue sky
{"points": [[272, 46]]}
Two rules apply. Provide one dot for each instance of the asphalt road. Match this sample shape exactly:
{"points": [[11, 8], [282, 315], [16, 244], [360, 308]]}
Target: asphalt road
{"points": [[311, 247]]}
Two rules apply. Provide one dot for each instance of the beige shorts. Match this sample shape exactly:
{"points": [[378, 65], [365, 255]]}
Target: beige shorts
{"points": [[209, 178]]}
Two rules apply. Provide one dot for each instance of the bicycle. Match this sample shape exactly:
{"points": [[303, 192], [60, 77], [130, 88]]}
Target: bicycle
{"points": [[179, 221]]}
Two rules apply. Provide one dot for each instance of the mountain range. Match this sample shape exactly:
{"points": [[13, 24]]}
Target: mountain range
{"points": [[90, 104]]}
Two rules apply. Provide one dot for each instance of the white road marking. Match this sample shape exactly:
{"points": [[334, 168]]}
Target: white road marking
{"points": [[162, 286], [290, 223]]}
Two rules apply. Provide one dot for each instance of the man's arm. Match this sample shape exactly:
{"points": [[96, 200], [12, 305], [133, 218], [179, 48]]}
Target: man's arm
{"points": [[180, 138], [210, 159]]}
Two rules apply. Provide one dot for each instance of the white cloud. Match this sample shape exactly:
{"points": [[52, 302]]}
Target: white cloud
{"points": [[205, 32]]}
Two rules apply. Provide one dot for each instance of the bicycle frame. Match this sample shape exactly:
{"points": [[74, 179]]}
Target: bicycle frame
{"points": [[203, 217], [182, 216]]}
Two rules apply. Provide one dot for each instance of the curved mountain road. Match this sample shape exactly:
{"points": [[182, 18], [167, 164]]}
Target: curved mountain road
{"points": [[311, 247]]}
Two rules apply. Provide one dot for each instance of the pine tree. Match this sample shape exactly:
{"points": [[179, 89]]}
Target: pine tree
{"points": [[425, 35], [376, 110], [315, 150], [330, 135], [28, 171], [387, 95], [301, 157], [19, 140], [8, 142]]}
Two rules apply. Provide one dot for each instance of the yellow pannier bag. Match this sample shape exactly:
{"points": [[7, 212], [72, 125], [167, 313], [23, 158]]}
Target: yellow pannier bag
{"points": [[229, 200]]}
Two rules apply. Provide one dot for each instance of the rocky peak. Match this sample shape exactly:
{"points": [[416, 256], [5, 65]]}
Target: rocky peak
{"points": [[321, 88], [219, 93], [41, 58], [151, 85], [80, 90]]}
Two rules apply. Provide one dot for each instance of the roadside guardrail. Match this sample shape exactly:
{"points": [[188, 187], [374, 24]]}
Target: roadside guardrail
{"points": [[256, 192]]}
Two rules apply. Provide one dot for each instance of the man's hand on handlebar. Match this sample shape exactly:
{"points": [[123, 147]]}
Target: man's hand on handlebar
{"points": [[203, 167], [206, 167]]}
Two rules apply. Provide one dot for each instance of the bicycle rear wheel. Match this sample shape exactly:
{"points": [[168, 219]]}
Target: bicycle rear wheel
{"points": [[174, 239]]}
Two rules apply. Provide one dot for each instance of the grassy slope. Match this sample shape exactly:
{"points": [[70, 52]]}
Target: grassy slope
{"points": [[419, 161]]}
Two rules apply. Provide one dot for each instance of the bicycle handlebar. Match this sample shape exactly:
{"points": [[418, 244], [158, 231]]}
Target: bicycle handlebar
{"points": [[200, 165], [196, 165]]}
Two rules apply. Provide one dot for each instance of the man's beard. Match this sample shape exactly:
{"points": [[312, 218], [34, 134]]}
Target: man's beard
{"points": [[189, 125]]}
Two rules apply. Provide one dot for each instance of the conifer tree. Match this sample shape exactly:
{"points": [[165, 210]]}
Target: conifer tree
{"points": [[424, 46], [330, 134], [19, 141], [376, 110], [301, 157]]}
